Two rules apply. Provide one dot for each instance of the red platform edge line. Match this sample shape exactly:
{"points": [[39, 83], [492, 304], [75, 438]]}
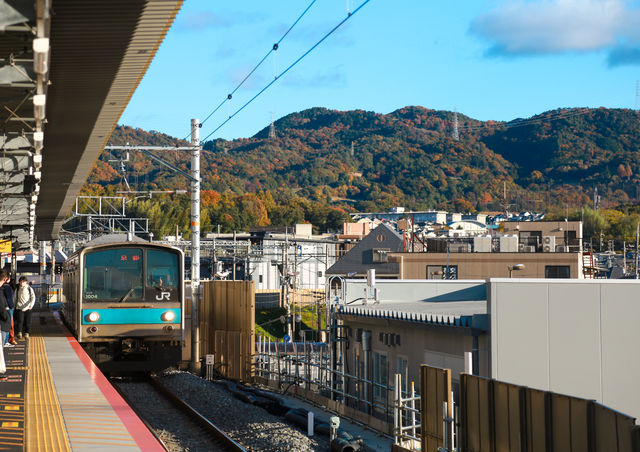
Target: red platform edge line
{"points": [[138, 430]]}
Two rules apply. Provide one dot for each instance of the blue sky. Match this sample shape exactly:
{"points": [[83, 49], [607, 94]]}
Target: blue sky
{"points": [[489, 59]]}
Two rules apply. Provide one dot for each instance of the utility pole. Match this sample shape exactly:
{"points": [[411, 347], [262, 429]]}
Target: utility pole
{"points": [[195, 245], [43, 272], [194, 177], [53, 262], [43, 259], [287, 294]]}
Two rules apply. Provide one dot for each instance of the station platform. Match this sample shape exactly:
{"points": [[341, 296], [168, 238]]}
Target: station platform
{"points": [[56, 399]]}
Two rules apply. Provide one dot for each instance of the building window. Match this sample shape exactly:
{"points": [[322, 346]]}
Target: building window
{"points": [[320, 274], [380, 255], [403, 370], [380, 372], [557, 271], [260, 279], [440, 272]]}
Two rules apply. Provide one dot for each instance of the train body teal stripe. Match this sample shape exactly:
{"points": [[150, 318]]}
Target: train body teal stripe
{"points": [[141, 316]]}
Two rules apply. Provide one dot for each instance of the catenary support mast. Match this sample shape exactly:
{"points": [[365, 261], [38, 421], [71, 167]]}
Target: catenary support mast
{"points": [[195, 244]]}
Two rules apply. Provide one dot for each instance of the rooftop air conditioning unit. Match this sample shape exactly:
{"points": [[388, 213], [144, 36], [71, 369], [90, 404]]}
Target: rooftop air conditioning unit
{"points": [[521, 247], [549, 243], [509, 244], [562, 249], [482, 244], [529, 249]]}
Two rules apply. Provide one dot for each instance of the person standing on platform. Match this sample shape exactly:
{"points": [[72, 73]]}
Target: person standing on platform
{"points": [[10, 341], [5, 323], [25, 300]]}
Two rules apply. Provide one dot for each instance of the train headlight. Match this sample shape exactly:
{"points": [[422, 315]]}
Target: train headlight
{"points": [[93, 317], [168, 316]]}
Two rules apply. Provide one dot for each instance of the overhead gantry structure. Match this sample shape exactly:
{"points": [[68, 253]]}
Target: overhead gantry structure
{"points": [[68, 68]]}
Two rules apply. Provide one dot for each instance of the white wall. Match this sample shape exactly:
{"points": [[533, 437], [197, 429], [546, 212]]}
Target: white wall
{"points": [[572, 337]]}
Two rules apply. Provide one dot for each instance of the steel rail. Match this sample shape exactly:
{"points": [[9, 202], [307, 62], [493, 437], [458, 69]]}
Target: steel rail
{"points": [[226, 442]]}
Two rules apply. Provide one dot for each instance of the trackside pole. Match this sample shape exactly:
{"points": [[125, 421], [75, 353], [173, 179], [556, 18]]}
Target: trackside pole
{"points": [[195, 245]]}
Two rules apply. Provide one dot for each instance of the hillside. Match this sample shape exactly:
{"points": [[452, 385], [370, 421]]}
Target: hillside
{"points": [[407, 157]]}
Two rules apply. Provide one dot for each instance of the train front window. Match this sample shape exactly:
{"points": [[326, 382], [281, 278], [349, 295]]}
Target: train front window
{"points": [[163, 274], [113, 275]]}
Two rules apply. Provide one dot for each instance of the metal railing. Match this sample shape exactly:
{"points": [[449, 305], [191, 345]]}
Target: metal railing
{"points": [[308, 366]]}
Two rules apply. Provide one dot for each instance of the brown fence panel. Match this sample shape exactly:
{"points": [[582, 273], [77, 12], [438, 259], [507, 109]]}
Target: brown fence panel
{"points": [[538, 431], [436, 389], [476, 414], [605, 428], [635, 438], [612, 430], [569, 423], [507, 417]]}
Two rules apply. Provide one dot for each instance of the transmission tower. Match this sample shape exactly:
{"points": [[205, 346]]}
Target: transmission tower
{"points": [[272, 129], [456, 132]]}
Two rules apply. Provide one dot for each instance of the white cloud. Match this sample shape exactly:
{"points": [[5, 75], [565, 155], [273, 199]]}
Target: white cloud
{"points": [[519, 27]]}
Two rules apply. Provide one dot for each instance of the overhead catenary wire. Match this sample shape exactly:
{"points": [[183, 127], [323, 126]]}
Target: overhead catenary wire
{"points": [[349, 16], [271, 50]]}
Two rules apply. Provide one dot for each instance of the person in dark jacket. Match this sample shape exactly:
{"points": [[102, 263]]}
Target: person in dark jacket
{"points": [[10, 341], [5, 316], [5, 322]]}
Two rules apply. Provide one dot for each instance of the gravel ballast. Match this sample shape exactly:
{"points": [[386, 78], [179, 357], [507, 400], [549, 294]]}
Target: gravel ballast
{"points": [[176, 430], [251, 426]]}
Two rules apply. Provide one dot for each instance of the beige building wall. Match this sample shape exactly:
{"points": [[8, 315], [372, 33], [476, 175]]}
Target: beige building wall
{"points": [[485, 265], [434, 345]]}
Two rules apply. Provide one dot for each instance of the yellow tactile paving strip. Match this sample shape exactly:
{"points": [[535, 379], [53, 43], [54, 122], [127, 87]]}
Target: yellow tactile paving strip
{"points": [[45, 427]]}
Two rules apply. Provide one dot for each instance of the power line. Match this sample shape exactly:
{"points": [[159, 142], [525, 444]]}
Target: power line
{"points": [[287, 69], [525, 122], [272, 49]]}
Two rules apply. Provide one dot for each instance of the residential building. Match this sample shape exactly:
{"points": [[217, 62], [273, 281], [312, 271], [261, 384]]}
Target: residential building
{"points": [[371, 253]]}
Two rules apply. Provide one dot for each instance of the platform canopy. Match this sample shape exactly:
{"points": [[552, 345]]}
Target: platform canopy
{"points": [[67, 71]]}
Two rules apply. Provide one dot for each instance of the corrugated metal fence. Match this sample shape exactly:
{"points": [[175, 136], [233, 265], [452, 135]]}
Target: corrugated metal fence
{"points": [[497, 417], [501, 417], [227, 327], [436, 391]]}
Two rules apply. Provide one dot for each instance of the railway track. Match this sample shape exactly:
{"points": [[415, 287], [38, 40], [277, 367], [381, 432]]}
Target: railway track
{"points": [[174, 422]]}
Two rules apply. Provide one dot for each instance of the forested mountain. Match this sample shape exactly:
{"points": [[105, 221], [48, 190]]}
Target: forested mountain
{"points": [[323, 163]]}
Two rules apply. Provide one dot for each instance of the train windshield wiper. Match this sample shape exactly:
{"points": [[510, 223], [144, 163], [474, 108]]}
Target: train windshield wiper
{"points": [[126, 295]]}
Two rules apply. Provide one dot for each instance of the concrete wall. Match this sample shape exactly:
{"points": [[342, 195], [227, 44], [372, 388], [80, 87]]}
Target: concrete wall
{"points": [[486, 265], [573, 337]]}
